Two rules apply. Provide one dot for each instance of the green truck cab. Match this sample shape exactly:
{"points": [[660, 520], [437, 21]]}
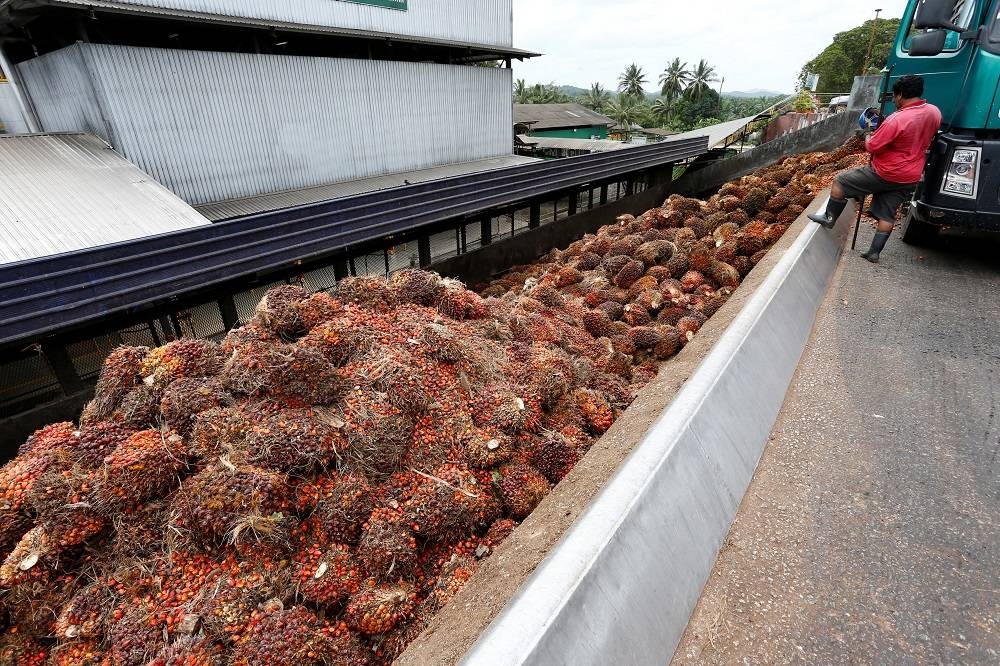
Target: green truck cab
{"points": [[955, 46]]}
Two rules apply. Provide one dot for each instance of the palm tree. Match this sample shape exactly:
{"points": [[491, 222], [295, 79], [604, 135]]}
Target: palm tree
{"points": [[522, 95], [624, 110], [702, 76], [661, 110], [631, 82], [674, 79], [597, 98]]}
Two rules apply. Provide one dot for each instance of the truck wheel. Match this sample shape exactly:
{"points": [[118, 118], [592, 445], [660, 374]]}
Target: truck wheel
{"points": [[917, 232]]}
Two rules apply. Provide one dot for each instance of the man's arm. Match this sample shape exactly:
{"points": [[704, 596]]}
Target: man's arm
{"points": [[883, 136]]}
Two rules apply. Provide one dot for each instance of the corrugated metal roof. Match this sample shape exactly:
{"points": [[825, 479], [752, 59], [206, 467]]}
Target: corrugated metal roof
{"points": [[477, 25], [716, 133], [64, 192], [590, 145], [223, 210], [557, 116]]}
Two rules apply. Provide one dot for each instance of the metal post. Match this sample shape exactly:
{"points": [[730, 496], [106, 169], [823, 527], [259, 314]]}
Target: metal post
{"points": [[230, 315], [385, 254], [535, 216], [154, 334], [604, 194], [555, 209], [574, 197], [167, 328], [341, 269], [486, 230], [424, 251], [590, 197], [20, 94], [178, 331], [463, 241], [353, 266], [63, 367]]}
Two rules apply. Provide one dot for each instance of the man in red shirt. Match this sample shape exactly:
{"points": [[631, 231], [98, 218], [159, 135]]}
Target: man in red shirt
{"points": [[898, 150]]}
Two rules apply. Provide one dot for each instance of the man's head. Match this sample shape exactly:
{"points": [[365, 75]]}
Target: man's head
{"points": [[908, 87]]}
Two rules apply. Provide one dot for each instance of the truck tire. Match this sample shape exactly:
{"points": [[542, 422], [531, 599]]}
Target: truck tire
{"points": [[917, 232]]}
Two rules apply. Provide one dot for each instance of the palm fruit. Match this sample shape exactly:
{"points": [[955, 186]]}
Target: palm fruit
{"points": [[729, 203], [654, 252], [725, 232], [378, 433], [277, 311], [733, 189], [636, 315], [416, 286], [317, 309], [294, 440], [461, 304], [743, 265], [388, 547], [670, 342], [683, 204], [588, 261], [340, 503], [755, 259], [483, 450], [189, 651], [804, 200], [547, 295], [622, 344], [774, 232], [739, 217], [724, 274], [327, 577], [688, 326], [644, 337], [568, 275], [698, 226], [613, 310], [235, 503], [790, 214], [77, 653], [755, 200], [85, 615], [50, 438], [692, 280], [554, 456], [285, 371], [726, 252], [185, 398], [146, 465], [59, 501], [650, 300], [521, 487], [777, 203], [181, 359], [613, 264], [449, 503], [140, 408], [369, 292], [120, 371], [752, 238], [684, 239], [700, 259], [678, 264], [19, 649], [658, 273], [277, 636], [670, 316], [713, 304], [13, 526], [597, 412], [596, 323], [645, 283], [380, 608]]}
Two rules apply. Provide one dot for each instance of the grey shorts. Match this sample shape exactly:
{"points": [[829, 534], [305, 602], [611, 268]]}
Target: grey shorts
{"points": [[858, 183]]}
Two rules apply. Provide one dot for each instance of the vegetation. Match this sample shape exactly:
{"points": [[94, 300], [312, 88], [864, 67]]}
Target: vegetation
{"points": [[844, 59], [687, 99]]}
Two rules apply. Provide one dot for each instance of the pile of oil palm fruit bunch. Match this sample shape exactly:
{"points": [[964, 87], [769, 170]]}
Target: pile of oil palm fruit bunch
{"points": [[314, 488]]}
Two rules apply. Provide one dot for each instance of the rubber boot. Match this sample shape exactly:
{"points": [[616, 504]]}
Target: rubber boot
{"points": [[828, 218], [878, 244]]}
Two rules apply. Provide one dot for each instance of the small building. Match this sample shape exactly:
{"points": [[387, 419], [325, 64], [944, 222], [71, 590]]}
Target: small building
{"points": [[561, 121]]}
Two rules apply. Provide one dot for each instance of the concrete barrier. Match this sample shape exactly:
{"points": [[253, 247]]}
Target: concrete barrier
{"points": [[622, 583]]}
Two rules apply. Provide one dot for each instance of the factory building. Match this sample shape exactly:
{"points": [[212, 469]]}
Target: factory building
{"points": [[225, 100]]}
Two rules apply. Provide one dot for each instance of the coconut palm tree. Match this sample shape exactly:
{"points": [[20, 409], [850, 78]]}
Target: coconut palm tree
{"points": [[702, 76], [631, 81], [624, 110], [597, 98], [674, 79], [661, 110], [522, 94]]}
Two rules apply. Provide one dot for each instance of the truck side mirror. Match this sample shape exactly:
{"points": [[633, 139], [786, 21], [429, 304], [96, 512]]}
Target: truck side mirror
{"points": [[937, 14], [928, 43]]}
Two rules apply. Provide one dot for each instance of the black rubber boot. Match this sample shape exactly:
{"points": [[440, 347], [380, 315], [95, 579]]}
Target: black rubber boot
{"points": [[828, 218], [878, 244]]}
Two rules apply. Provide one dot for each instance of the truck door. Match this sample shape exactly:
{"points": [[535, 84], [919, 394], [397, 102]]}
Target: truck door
{"points": [[991, 50]]}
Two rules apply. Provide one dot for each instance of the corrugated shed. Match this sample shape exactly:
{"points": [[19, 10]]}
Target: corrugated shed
{"points": [[558, 116], [590, 145], [71, 191], [215, 126], [240, 207], [473, 21], [11, 120]]}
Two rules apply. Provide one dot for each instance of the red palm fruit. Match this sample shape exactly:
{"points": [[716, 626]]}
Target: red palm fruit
{"points": [[700, 258], [755, 200], [146, 465], [692, 280], [50, 438], [185, 398], [18, 477], [277, 636], [568, 275], [724, 274], [140, 408], [756, 258], [630, 272], [328, 577], [613, 264], [678, 264], [683, 204], [85, 615], [388, 548], [78, 653], [688, 326], [670, 342], [729, 203], [642, 284], [369, 292], [483, 450], [252, 332], [623, 345], [380, 608], [416, 286], [295, 440], [182, 359], [726, 252], [596, 323], [588, 261], [554, 456], [658, 273], [636, 315], [317, 309], [733, 189], [774, 232], [450, 503], [13, 526], [698, 226], [522, 488], [712, 305], [644, 337], [613, 310], [725, 232], [378, 433], [278, 313], [190, 651], [461, 304], [670, 316], [650, 299], [120, 371], [339, 504], [743, 265], [596, 410], [18, 648]]}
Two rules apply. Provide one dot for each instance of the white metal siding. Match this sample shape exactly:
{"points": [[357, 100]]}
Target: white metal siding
{"points": [[216, 126], [475, 21], [62, 94], [11, 120]]}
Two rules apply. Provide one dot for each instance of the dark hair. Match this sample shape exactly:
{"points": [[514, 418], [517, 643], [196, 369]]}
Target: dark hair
{"points": [[909, 86]]}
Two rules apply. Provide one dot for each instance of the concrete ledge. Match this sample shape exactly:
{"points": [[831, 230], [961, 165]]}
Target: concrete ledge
{"points": [[622, 583]]}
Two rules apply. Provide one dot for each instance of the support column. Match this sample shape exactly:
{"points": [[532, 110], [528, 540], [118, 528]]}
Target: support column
{"points": [[63, 367], [486, 230], [604, 194], [424, 251], [341, 269], [574, 197], [230, 315], [535, 219], [590, 197]]}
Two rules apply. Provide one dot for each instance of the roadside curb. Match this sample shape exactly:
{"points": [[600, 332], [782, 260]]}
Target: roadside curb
{"points": [[622, 583]]}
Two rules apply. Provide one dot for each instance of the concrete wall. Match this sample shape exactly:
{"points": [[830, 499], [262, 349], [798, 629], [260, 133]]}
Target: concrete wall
{"points": [[824, 135]]}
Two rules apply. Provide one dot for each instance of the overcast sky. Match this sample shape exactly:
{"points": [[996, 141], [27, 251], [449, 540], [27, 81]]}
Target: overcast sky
{"points": [[752, 43]]}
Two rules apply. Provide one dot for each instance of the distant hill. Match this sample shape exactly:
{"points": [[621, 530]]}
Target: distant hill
{"points": [[572, 91], [755, 92]]}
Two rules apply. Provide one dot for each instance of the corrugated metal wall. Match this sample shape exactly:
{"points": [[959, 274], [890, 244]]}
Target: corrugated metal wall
{"points": [[476, 21], [11, 120], [62, 94], [215, 126]]}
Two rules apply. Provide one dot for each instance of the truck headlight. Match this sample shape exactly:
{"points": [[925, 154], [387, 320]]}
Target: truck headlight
{"points": [[962, 178]]}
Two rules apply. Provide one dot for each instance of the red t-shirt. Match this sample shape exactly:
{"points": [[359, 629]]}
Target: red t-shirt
{"points": [[899, 144]]}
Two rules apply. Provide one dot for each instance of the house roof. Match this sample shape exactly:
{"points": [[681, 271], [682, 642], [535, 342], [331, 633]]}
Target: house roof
{"points": [[558, 116], [65, 192], [589, 145]]}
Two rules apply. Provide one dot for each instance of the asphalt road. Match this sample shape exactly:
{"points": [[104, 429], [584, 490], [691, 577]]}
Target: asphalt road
{"points": [[871, 531]]}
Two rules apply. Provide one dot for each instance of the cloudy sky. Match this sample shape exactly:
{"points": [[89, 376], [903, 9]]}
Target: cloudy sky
{"points": [[752, 43]]}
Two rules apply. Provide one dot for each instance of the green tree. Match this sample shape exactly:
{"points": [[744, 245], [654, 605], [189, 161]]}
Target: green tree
{"points": [[804, 102], [625, 110], [661, 111], [522, 95], [691, 112], [842, 60], [597, 98], [674, 80], [631, 82], [701, 78]]}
